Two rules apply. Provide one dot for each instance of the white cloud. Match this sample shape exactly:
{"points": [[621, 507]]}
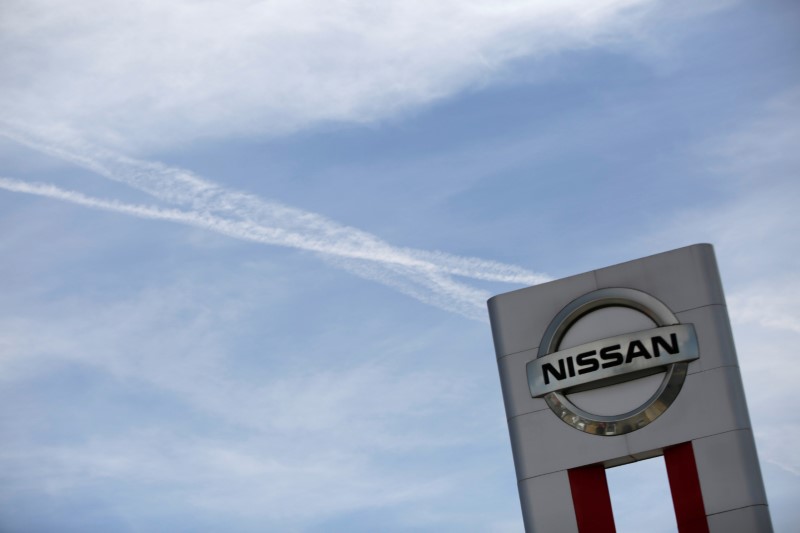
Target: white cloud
{"points": [[139, 74], [208, 476], [753, 221], [295, 445], [771, 304], [756, 233], [778, 445], [163, 337], [427, 276]]}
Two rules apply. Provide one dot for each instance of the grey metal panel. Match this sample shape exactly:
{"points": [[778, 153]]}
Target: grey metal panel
{"points": [[547, 504], [711, 402], [543, 444], [727, 466], [747, 520], [709, 406], [714, 336], [683, 279], [641, 456], [514, 382], [519, 318]]}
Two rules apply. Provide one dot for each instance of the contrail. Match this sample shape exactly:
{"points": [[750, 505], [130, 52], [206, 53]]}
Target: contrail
{"points": [[423, 275], [418, 279], [304, 229]]}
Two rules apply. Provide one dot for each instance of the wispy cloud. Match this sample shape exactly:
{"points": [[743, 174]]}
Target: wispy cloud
{"points": [[771, 305], [756, 231], [426, 276], [298, 445], [158, 74], [299, 228], [208, 476], [145, 73]]}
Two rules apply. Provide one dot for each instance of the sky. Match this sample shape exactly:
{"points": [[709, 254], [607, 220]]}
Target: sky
{"points": [[247, 245]]}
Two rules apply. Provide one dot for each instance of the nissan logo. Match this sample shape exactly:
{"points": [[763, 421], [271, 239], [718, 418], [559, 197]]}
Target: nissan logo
{"points": [[667, 348]]}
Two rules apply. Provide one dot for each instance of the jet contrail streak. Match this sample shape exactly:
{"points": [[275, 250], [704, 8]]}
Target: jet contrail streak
{"points": [[418, 279], [304, 229]]}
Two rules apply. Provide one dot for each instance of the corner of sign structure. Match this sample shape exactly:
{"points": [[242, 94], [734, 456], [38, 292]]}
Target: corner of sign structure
{"points": [[494, 323]]}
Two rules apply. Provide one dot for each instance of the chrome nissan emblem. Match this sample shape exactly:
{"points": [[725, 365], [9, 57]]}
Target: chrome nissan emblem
{"points": [[668, 348]]}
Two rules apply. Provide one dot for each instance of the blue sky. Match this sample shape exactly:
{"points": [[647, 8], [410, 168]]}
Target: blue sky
{"points": [[247, 245]]}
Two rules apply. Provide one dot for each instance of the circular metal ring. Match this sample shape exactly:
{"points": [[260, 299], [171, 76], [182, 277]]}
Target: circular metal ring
{"points": [[651, 409]]}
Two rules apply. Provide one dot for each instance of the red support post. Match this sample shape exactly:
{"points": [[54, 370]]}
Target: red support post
{"points": [[591, 499], [684, 484]]}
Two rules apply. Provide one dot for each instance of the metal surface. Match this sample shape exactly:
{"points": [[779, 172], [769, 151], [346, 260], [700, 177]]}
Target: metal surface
{"points": [[584, 367], [728, 479], [547, 504], [750, 519], [671, 383], [709, 411]]}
